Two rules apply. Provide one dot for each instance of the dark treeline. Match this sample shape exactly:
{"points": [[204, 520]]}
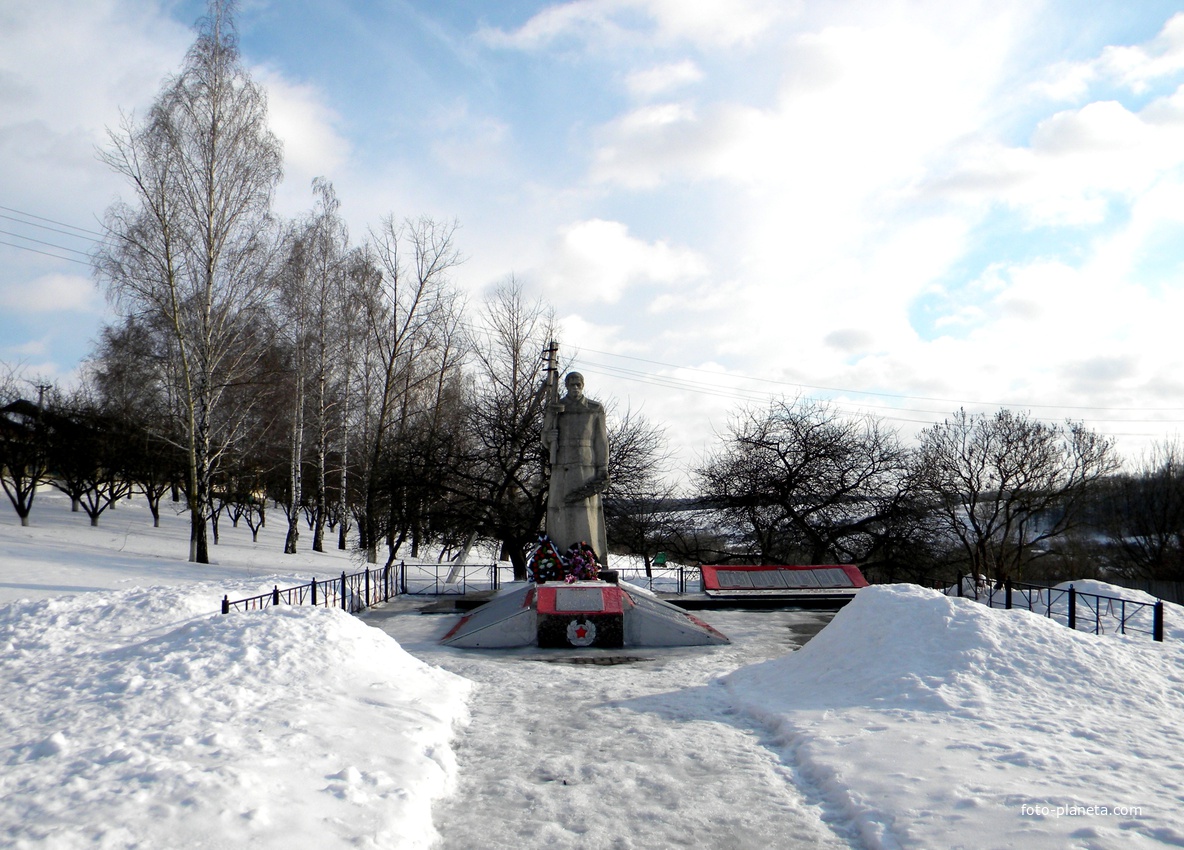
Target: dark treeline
{"points": [[446, 453], [1001, 495]]}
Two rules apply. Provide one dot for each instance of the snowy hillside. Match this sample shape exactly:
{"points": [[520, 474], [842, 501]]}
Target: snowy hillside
{"points": [[936, 722], [142, 718]]}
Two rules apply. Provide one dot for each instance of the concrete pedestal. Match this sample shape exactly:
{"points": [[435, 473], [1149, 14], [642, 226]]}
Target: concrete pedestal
{"points": [[582, 614]]}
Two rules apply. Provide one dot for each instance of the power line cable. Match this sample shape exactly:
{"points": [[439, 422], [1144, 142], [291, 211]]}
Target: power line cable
{"points": [[51, 221], [736, 393], [753, 395], [46, 227], [741, 393], [45, 253], [40, 242]]}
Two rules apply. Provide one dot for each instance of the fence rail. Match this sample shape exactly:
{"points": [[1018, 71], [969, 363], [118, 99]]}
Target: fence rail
{"points": [[432, 579], [663, 579], [361, 590], [1078, 610]]}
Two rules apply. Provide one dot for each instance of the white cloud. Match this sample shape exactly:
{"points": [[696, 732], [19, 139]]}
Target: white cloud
{"points": [[29, 348], [306, 124], [713, 22], [598, 261], [662, 143], [55, 104], [54, 107], [861, 108], [1101, 127], [661, 79], [1136, 66], [1077, 163], [468, 142], [578, 18], [708, 23], [53, 293]]}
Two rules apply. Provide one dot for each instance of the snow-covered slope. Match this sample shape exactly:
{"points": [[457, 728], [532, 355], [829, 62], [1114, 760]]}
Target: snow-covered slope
{"points": [[935, 722], [144, 719]]}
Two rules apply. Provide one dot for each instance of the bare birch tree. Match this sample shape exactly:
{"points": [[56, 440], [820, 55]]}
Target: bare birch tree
{"points": [[314, 319], [409, 303], [190, 250]]}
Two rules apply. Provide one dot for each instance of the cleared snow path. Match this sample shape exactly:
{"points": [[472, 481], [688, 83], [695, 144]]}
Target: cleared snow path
{"points": [[640, 754]]}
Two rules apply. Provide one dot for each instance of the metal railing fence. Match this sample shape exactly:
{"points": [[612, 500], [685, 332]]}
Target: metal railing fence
{"points": [[354, 592], [679, 579], [432, 579], [1078, 610]]}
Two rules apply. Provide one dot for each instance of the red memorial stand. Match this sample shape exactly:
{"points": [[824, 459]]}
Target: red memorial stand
{"points": [[583, 614]]}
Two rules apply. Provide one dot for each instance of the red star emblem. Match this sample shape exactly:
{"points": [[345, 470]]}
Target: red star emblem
{"points": [[581, 632]]}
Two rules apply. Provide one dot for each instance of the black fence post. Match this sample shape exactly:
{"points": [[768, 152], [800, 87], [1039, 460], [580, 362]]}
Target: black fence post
{"points": [[1007, 594], [403, 577], [1072, 607], [386, 583], [958, 581], [367, 596], [1157, 622], [225, 604], [344, 604], [314, 592]]}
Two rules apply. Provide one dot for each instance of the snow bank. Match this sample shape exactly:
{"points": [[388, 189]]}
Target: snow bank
{"points": [[1104, 588], [936, 722], [144, 719]]}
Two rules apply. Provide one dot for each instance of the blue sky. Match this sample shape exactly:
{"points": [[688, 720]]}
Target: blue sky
{"points": [[902, 207]]}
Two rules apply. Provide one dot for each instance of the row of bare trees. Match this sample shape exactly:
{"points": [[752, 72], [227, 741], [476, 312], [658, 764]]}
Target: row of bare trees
{"points": [[800, 482], [999, 494], [282, 359]]}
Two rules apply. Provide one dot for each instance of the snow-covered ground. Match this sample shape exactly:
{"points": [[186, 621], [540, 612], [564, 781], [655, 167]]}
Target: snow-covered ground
{"points": [[136, 718], [61, 553]]}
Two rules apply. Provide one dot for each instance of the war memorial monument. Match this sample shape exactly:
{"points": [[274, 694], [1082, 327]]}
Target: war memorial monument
{"points": [[571, 598]]}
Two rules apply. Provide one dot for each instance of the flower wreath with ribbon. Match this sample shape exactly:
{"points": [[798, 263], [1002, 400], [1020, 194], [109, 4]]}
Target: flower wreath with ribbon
{"points": [[545, 563]]}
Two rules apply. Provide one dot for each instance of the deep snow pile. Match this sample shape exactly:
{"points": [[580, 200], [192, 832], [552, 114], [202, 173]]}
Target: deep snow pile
{"points": [[935, 722], [145, 719]]}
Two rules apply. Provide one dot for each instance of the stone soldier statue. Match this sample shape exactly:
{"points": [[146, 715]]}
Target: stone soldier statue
{"points": [[575, 433]]}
